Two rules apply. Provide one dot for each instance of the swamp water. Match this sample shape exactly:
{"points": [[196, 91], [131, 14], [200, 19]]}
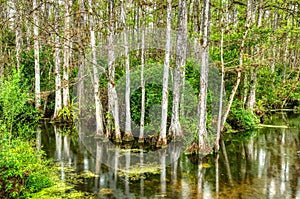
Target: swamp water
{"points": [[260, 164]]}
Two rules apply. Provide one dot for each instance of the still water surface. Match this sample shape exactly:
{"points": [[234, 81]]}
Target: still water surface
{"points": [[260, 164]]}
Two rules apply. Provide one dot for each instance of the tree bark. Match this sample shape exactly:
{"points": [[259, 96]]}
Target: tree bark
{"points": [[142, 124], [128, 134], [98, 113], [18, 32], [181, 45], [204, 77], [36, 56], [81, 59], [220, 112], [58, 97], [66, 65], [285, 55], [252, 90], [162, 140], [113, 105]]}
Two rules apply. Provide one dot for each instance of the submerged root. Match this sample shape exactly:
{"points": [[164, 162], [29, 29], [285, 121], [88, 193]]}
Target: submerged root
{"points": [[128, 137], [162, 142], [141, 140]]}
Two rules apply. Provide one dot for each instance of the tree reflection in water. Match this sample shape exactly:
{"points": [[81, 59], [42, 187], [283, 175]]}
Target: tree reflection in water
{"points": [[264, 163]]}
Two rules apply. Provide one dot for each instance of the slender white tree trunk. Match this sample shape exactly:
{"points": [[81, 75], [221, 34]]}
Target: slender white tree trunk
{"points": [[260, 13], [285, 55], [220, 112], [112, 94], [204, 76], [58, 97], [245, 89], [81, 59], [66, 94], [128, 134], [28, 34], [18, 32], [196, 24], [181, 45], [36, 56], [251, 101], [142, 124], [162, 141], [274, 48], [99, 122]]}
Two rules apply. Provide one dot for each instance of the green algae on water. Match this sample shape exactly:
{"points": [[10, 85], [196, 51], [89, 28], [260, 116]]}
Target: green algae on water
{"points": [[138, 171], [60, 190]]}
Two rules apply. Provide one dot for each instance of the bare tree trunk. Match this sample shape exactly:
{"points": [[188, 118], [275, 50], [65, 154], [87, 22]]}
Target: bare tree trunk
{"points": [[113, 105], [28, 34], [36, 56], [99, 122], [128, 134], [231, 98], [204, 76], [251, 101], [58, 97], [245, 94], [66, 94], [285, 55], [18, 32], [162, 141], [273, 57], [252, 90], [181, 45], [260, 13], [217, 143], [142, 124], [196, 24]]}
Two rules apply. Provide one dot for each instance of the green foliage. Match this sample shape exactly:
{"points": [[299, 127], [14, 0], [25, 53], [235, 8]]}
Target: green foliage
{"points": [[69, 113], [153, 96], [242, 119], [192, 73], [22, 169], [272, 96], [16, 111]]}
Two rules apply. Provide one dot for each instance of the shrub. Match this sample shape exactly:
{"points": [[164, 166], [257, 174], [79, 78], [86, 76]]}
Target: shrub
{"points": [[22, 169], [242, 119], [16, 111]]}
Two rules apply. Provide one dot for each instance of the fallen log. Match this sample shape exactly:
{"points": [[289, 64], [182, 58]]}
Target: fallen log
{"points": [[273, 126]]}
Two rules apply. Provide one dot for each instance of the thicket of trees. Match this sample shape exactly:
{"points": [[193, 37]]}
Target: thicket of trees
{"points": [[254, 45]]}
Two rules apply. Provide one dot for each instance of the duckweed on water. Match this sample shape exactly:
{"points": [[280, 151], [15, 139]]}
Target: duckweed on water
{"points": [[136, 172]]}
